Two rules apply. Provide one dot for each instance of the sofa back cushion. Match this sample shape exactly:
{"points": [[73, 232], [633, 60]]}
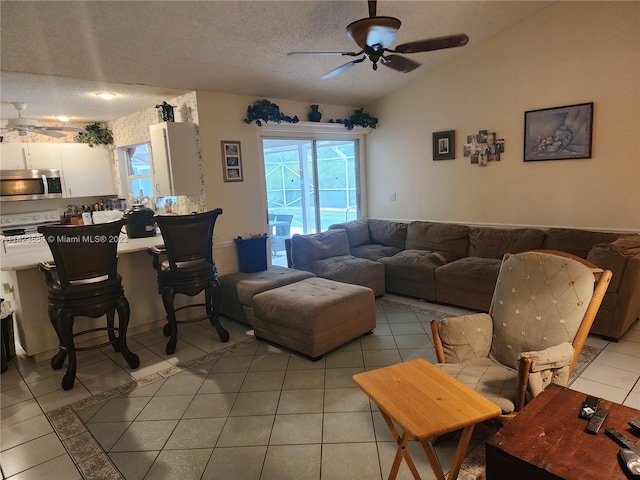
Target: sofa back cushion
{"points": [[495, 242], [318, 246], [614, 256], [386, 232], [577, 242], [357, 231], [448, 238]]}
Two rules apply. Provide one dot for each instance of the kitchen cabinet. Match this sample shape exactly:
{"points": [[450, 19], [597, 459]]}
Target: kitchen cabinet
{"points": [[20, 156], [86, 171], [176, 159]]}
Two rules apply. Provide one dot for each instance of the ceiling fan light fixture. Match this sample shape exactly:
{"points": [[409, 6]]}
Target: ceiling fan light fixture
{"points": [[385, 28]]}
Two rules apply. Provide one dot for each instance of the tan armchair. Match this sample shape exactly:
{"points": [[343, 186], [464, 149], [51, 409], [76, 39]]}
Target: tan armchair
{"points": [[543, 306]]}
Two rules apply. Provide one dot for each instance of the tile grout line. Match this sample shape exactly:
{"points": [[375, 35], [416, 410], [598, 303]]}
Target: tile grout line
{"points": [[85, 451]]}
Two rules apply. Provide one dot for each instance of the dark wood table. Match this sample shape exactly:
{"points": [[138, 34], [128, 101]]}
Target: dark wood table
{"points": [[547, 441]]}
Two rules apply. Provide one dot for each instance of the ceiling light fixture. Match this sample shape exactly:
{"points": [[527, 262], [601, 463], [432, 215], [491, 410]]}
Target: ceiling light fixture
{"points": [[63, 118], [106, 95]]}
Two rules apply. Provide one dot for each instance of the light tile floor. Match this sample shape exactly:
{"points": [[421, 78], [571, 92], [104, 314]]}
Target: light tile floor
{"points": [[258, 413]]}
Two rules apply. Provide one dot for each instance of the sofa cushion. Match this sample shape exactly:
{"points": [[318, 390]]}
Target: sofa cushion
{"points": [[374, 251], [614, 256], [349, 269], [357, 231], [577, 242], [309, 248], [495, 242], [468, 282], [446, 238], [386, 232]]}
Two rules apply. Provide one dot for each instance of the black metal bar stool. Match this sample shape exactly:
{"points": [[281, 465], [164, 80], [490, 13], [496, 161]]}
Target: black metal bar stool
{"points": [[188, 269], [83, 281]]}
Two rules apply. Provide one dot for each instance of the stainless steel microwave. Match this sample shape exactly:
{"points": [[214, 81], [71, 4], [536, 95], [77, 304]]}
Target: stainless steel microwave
{"points": [[30, 184]]}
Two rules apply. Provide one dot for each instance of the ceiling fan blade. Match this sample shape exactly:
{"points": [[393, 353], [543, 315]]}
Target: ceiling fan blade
{"points": [[352, 54], [436, 43], [48, 133], [342, 68], [372, 7], [374, 30], [64, 129], [400, 63]]}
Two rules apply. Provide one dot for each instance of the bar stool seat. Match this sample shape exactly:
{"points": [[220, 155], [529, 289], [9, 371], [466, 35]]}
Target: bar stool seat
{"points": [[188, 269]]}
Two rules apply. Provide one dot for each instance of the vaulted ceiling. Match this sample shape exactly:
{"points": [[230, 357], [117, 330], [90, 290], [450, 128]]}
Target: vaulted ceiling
{"points": [[57, 54]]}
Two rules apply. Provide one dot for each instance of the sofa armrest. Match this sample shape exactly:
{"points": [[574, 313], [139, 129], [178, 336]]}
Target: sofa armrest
{"points": [[459, 339]]}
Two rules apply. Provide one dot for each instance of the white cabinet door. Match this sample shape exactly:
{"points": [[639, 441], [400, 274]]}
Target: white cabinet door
{"points": [[86, 171], [176, 165], [13, 156], [19, 155], [43, 155]]}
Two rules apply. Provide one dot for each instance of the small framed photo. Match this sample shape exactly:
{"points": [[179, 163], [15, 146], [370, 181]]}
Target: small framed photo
{"points": [[558, 133], [231, 161], [444, 145]]}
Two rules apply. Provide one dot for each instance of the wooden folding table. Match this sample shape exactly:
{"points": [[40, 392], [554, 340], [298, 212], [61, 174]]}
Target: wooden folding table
{"points": [[425, 403]]}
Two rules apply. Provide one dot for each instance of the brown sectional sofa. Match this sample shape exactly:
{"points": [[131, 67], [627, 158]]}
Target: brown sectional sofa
{"points": [[458, 264]]}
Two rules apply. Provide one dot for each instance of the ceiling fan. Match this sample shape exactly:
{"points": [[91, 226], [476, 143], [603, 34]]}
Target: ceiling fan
{"points": [[24, 126], [374, 35]]}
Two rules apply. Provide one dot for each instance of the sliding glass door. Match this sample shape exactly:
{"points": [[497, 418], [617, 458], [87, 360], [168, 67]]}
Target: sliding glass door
{"points": [[310, 184]]}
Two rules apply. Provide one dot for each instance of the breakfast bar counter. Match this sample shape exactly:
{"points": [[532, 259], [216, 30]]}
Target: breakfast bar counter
{"points": [[24, 285]]}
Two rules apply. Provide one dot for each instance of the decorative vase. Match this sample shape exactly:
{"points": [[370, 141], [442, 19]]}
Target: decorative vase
{"points": [[165, 112], [314, 115]]}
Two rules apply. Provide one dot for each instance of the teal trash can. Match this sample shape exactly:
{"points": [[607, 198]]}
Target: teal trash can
{"points": [[252, 253]]}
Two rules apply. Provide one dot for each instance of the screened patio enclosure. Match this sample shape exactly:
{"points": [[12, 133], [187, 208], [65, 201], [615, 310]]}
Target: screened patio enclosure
{"points": [[310, 184]]}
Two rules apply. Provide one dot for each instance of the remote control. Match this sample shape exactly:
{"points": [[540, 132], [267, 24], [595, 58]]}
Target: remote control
{"points": [[589, 407], [621, 440], [631, 461], [635, 425], [596, 421]]}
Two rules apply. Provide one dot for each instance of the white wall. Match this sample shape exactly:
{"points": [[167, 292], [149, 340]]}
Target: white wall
{"points": [[570, 53]]}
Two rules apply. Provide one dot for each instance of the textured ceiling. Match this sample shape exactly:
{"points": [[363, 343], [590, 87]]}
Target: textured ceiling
{"points": [[57, 54]]}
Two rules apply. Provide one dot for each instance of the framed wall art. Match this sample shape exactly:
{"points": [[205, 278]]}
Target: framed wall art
{"points": [[444, 145], [558, 133], [231, 161]]}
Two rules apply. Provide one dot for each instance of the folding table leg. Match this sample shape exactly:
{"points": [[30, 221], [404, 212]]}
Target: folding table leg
{"points": [[401, 452]]}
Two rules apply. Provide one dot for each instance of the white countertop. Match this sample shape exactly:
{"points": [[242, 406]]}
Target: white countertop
{"points": [[21, 257]]}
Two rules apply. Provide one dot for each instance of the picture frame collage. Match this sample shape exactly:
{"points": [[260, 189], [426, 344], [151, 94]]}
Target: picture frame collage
{"points": [[483, 147], [231, 161]]}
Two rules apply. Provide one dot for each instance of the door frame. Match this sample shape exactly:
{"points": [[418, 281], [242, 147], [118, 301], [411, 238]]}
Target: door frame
{"points": [[315, 131]]}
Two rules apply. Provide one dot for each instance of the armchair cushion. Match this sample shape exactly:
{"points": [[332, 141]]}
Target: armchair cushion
{"points": [[490, 379], [547, 366], [465, 338], [530, 290]]}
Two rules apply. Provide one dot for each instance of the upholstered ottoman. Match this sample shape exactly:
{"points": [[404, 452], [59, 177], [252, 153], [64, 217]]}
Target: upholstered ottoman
{"points": [[239, 288], [315, 315]]}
